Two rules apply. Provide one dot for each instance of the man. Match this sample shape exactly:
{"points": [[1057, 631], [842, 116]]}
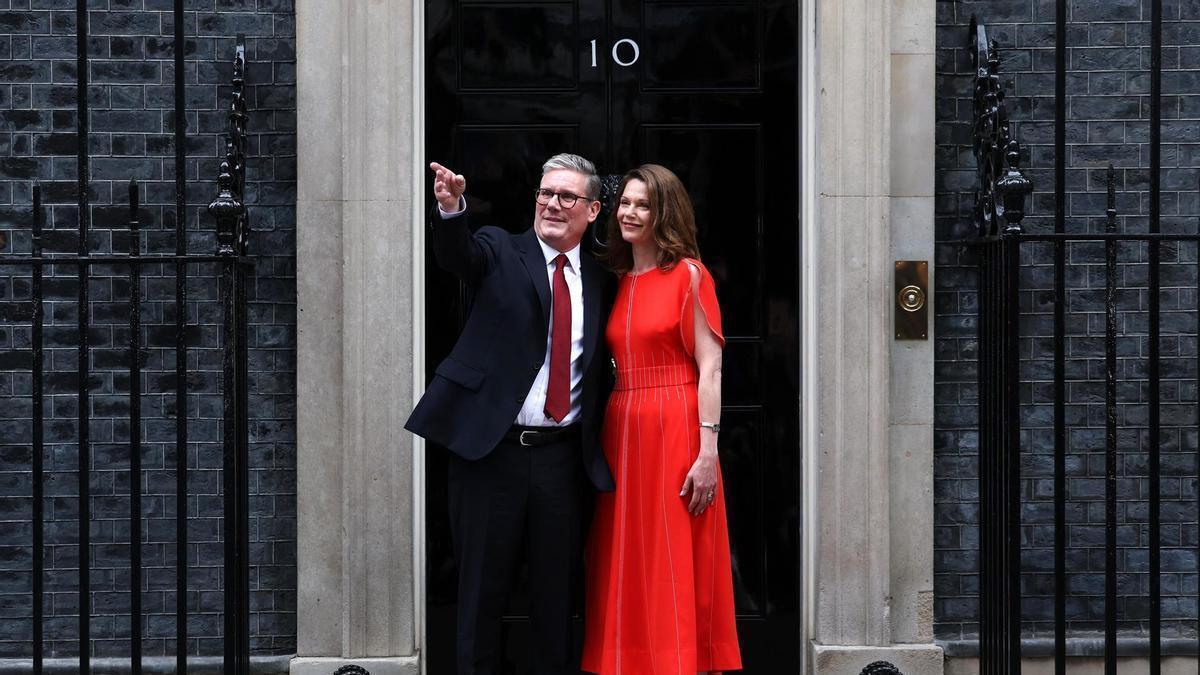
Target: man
{"points": [[518, 402]]}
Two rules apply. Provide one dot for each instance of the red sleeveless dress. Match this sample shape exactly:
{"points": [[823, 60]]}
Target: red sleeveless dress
{"points": [[659, 586]]}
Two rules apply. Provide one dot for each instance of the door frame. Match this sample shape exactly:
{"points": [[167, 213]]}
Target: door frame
{"points": [[809, 428], [807, 330], [420, 178]]}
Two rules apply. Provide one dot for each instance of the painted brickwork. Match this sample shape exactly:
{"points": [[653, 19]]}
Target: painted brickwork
{"points": [[131, 98], [1108, 113]]}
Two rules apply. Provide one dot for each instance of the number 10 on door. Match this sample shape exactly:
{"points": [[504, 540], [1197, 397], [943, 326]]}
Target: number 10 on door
{"points": [[617, 51]]}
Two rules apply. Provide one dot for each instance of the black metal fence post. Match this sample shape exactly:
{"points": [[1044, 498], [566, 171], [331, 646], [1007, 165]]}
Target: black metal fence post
{"points": [[229, 211], [1110, 434], [135, 434], [181, 354], [1060, 303], [1155, 422], [84, 322], [999, 210], [39, 562]]}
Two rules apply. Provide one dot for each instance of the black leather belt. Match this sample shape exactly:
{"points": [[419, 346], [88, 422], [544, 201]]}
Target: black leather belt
{"points": [[534, 436]]}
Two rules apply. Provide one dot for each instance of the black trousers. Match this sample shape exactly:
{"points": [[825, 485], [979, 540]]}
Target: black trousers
{"points": [[517, 502]]}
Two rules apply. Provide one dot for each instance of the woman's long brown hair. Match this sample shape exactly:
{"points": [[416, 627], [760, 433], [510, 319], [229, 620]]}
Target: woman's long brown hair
{"points": [[673, 228]]}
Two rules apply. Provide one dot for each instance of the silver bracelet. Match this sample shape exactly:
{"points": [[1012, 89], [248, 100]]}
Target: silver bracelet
{"points": [[715, 426]]}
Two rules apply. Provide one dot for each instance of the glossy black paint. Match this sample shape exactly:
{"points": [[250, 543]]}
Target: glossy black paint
{"points": [[999, 209], [713, 95]]}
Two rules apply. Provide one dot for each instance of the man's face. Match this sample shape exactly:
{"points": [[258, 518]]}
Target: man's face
{"points": [[562, 228]]}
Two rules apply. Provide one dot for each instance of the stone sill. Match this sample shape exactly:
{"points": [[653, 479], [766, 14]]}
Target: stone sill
{"points": [[1077, 646], [197, 665]]}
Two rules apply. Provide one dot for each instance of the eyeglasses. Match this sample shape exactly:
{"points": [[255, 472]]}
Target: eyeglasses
{"points": [[565, 199]]}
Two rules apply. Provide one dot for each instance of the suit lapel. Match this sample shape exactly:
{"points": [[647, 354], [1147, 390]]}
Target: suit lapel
{"points": [[535, 265], [592, 281]]}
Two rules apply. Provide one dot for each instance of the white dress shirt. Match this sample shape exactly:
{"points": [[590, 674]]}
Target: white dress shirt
{"points": [[533, 412]]}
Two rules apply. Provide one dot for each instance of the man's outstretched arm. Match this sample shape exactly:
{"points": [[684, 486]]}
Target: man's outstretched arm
{"points": [[457, 250]]}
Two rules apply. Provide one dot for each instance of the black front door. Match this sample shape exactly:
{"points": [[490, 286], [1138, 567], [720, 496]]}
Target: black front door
{"points": [[710, 90]]}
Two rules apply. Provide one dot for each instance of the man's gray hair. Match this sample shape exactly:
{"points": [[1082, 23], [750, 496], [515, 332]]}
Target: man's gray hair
{"points": [[565, 160]]}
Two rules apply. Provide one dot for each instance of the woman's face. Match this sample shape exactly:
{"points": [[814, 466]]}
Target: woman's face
{"points": [[634, 215]]}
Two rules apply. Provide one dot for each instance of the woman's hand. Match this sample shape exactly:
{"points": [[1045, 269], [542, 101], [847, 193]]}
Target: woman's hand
{"points": [[702, 481], [448, 187]]}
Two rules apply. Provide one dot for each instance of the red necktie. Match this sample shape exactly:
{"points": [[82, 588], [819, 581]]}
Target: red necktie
{"points": [[558, 393]]}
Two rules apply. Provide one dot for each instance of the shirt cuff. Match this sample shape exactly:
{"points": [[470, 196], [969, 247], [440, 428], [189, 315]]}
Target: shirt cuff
{"points": [[462, 206]]}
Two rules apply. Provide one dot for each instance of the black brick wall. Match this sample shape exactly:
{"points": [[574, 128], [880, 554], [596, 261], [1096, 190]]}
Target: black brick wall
{"points": [[1108, 113], [131, 99]]}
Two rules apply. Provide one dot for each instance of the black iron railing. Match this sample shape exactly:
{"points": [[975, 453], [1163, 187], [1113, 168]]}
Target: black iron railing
{"points": [[230, 213], [235, 267], [1000, 245], [999, 208]]}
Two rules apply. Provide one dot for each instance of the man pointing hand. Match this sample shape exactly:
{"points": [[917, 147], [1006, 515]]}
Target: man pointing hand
{"points": [[518, 403]]}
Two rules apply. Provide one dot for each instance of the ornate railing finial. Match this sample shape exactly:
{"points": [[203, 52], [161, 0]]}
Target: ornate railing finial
{"points": [[228, 211], [229, 207], [1001, 188], [1012, 189]]}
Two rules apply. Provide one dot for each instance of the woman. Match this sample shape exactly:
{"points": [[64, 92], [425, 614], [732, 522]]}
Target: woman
{"points": [[659, 588]]}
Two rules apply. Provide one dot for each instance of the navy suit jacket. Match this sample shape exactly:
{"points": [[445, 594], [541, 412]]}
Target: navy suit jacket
{"points": [[480, 387]]}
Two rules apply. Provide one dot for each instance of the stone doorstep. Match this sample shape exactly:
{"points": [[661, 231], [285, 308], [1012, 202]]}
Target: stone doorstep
{"points": [[324, 665], [911, 659]]}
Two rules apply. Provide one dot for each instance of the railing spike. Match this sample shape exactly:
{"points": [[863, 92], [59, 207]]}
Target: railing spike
{"points": [[1111, 211], [37, 217], [134, 225], [37, 207]]}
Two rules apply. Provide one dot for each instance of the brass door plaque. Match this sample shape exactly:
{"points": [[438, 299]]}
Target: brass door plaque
{"points": [[912, 300]]}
